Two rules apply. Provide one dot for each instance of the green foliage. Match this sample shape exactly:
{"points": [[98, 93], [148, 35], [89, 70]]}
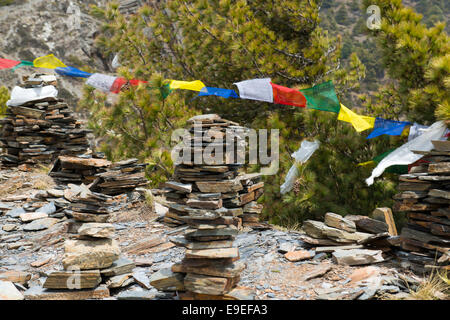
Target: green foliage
{"points": [[4, 96], [418, 58]]}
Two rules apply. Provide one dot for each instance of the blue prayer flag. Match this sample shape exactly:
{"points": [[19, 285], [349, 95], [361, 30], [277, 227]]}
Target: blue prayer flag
{"points": [[72, 72], [225, 93], [389, 127]]}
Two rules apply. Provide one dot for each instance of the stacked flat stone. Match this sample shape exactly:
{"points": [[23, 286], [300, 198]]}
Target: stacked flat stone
{"points": [[102, 175], [211, 200], [91, 259], [40, 130], [425, 198]]}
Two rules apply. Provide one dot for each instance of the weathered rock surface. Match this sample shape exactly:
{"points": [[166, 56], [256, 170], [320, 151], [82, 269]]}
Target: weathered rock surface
{"points": [[97, 254], [9, 292], [336, 221], [166, 280], [357, 256], [73, 280], [97, 230]]}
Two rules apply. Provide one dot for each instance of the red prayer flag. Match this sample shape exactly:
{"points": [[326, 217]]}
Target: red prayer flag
{"points": [[288, 96], [118, 84], [6, 63], [135, 82]]}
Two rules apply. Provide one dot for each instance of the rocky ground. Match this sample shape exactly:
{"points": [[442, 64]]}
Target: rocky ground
{"points": [[29, 252]]}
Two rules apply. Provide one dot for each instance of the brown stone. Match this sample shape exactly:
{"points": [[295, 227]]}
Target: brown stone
{"points": [[299, 255]]}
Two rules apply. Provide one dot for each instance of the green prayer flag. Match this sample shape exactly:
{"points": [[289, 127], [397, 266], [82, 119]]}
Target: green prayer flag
{"points": [[322, 97], [398, 169], [165, 90], [23, 64]]}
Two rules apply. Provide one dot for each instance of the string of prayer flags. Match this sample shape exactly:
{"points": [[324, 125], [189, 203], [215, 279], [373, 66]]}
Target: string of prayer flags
{"points": [[404, 155], [48, 62], [360, 123], [322, 97], [6, 63], [288, 96], [72, 72], [102, 82], [224, 93], [256, 89], [196, 85], [389, 127]]}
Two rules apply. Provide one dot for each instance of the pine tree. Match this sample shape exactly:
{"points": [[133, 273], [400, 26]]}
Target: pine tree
{"points": [[221, 42], [418, 59], [4, 96]]}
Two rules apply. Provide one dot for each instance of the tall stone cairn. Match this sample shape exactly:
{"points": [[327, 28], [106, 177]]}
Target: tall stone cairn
{"points": [[212, 199], [38, 131], [425, 197]]}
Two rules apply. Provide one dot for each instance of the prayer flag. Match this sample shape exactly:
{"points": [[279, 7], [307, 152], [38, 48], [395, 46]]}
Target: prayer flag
{"points": [[102, 82], [256, 89], [196, 85], [288, 96], [72, 72], [6, 63], [48, 62], [389, 127], [360, 123], [224, 93], [322, 97]]}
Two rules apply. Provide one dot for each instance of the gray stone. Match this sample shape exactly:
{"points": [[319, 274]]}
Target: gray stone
{"points": [[120, 266], [40, 224], [141, 278], [49, 208], [357, 256], [286, 247], [136, 295], [9, 292], [15, 213]]}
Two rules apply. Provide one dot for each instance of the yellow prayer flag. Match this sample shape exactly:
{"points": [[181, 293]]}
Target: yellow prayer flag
{"points": [[48, 62], [360, 123], [366, 163], [196, 85]]}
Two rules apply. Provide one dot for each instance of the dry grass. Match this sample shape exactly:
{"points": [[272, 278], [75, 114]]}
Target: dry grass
{"points": [[295, 226], [435, 287], [43, 183]]}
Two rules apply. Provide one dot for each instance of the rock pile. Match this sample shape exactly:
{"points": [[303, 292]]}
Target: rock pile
{"points": [[353, 240], [102, 175], [92, 257], [216, 187], [425, 197], [210, 199], [39, 126]]}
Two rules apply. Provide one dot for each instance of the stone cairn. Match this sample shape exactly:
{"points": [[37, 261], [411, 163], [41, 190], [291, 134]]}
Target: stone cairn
{"points": [[211, 200], [91, 259], [40, 130], [425, 197]]}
